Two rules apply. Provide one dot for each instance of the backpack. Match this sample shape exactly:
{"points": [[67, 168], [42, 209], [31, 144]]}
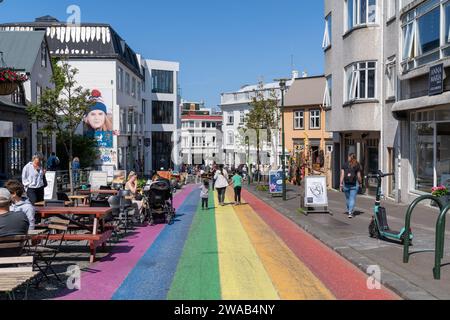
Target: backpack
{"points": [[350, 175]]}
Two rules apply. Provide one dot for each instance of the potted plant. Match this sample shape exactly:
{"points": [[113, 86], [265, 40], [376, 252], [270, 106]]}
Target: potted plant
{"points": [[10, 80], [442, 193]]}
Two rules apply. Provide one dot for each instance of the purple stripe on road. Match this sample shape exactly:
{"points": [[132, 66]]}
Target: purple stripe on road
{"points": [[102, 279]]}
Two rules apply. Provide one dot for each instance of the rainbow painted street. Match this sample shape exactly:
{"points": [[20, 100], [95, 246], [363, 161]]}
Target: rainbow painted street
{"points": [[241, 252]]}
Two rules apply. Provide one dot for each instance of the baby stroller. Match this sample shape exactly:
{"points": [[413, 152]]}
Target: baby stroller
{"points": [[158, 202]]}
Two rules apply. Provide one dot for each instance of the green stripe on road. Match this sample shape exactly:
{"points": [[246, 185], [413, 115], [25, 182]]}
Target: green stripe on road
{"points": [[197, 276]]}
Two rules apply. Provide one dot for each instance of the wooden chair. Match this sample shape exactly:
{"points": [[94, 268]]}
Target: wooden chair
{"points": [[12, 246], [14, 272]]}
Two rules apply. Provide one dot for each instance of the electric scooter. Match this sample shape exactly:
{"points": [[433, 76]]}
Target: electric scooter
{"points": [[379, 227]]}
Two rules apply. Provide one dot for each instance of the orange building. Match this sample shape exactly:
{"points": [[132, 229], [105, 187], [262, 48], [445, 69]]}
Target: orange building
{"points": [[307, 139]]}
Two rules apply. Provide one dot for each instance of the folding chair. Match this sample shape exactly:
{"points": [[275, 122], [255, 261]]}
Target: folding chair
{"points": [[45, 254], [12, 246]]}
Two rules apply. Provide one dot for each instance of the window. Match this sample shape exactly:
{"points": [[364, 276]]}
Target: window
{"points": [[162, 112], [328, 92], [360, 12], [162, 81], [360, 81], [38, 94], [391, 78], [230, 119], [299, 119], [327, 34], [242, 117], [120, 79], [314, 117], [127, 83], [133, 87], [139, 95], [391, 9], [230, 137], [44, 55], [421, 33]]}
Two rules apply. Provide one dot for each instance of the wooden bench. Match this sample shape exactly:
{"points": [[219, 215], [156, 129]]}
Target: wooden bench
{"points": [[95, 240], [13, 277]]}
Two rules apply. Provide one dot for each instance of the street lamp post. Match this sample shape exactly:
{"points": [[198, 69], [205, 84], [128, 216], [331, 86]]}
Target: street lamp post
{"points": [[283, 140], [131, 112]]}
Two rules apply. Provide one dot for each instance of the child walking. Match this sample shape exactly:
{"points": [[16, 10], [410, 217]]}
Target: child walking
{"points": [[204, 194], [237, 184]]}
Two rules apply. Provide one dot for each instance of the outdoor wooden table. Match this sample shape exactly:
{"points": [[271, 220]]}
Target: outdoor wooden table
{"points": [[89, 192], [83, 198], [42, 204], [94, 237]]}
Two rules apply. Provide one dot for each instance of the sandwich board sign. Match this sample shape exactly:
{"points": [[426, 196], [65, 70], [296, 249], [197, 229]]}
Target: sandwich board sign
{"points": [[316, 194], [98, 179], [275, 183], [50, 190]]}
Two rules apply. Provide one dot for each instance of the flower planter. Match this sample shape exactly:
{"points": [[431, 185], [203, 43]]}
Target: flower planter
{"points": [[445, 200], [7, 88]]}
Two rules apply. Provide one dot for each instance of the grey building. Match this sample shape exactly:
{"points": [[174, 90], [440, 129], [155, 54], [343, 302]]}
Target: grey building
{"points": [[423, 97], [360, 46], [26, 51]]}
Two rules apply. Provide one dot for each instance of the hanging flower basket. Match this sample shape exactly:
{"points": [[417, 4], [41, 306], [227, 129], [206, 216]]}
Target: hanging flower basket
{"points": [[10, 80]]}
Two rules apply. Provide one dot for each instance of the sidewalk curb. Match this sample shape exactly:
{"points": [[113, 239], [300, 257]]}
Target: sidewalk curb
{"points": [[400, 286]]}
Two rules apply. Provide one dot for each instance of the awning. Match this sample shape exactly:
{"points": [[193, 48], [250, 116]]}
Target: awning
{"points": [[422, 102]]}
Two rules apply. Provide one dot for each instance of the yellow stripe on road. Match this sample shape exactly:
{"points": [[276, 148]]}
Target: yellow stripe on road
{"points": [[242, 275], [292, 279]]}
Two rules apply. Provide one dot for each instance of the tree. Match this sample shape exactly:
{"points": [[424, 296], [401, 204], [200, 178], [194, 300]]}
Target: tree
{"points": [[262, 116], [62, 109], [85, 149]]}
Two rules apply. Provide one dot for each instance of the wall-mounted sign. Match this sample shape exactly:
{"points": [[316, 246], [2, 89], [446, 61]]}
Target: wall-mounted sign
{"points": [[6, 129], [436, 81]]}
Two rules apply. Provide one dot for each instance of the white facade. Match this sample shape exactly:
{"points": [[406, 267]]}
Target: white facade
{"points": [[103, 75], [235, 106], [201, 139], [156, 153]]}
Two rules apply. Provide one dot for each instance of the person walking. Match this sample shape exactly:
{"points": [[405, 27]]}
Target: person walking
{"points": [[76, 166], [221, 184], [237, 184], [350, 181], [33, 179], [53, 162], [204, 194]]}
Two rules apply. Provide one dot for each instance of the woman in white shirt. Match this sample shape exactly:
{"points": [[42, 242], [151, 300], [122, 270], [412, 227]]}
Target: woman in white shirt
{"points": [[221, 184], [33, 179]]}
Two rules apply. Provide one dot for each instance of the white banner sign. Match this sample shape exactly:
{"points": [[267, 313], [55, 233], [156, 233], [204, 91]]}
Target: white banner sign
{"points": [[98, 179], [50, 191]]}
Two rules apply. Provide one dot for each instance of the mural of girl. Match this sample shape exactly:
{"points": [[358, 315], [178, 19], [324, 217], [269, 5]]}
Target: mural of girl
{"points": [[97, 117]]}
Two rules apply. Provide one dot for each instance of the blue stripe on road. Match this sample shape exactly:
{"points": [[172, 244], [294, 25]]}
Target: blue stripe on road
{"points": [[153, 275]]}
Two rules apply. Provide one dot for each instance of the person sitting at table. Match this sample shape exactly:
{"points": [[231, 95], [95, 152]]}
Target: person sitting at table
{"points": [[132, 186], [21, 202], [11, 223]]}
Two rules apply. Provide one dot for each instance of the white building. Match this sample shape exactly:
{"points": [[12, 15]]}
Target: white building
{"points": [[201, 135], [162, 114], [109, 66], [235, 106]]}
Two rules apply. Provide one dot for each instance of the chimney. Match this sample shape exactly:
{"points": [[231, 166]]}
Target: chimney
{"points": [[304, 74], [295, 74]]}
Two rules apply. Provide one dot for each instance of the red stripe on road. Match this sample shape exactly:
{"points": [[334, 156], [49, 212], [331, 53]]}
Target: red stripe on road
{"points": [[341, 277]]}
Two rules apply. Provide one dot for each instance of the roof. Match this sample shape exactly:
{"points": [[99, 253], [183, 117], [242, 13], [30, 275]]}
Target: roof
{"points": [[194, 117], [306, 91], [87, 40], [21, 49]]}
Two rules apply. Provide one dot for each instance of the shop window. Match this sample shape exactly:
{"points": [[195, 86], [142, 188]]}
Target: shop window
{"points": [[422, 156]]}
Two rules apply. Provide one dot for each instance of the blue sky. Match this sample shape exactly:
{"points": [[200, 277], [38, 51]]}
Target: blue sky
{"points": [[221, 45]]}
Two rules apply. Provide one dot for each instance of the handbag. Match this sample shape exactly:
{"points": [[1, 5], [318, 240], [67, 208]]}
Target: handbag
{"points": [[45, 181]]}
